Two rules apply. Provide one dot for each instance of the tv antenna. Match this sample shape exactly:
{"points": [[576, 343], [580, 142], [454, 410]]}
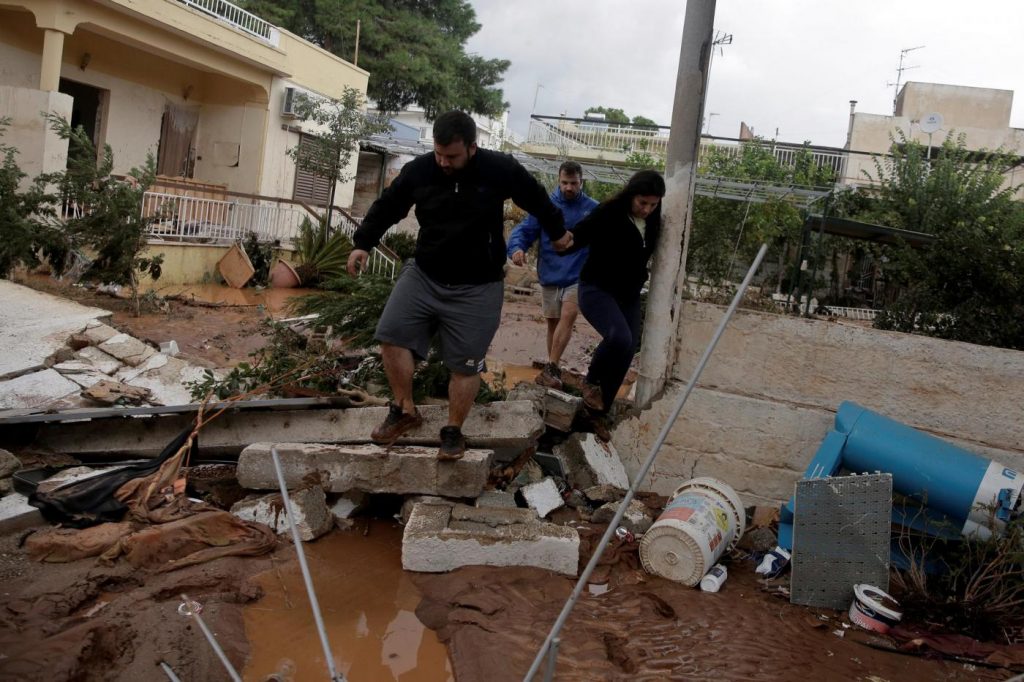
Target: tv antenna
{"points": [[899, 73]]}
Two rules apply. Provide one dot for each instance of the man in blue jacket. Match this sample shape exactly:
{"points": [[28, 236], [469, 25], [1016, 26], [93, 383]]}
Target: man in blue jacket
{"points": [[559, 275], [453, 287]]}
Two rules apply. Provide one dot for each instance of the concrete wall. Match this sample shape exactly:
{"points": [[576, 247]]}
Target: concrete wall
{"points": [[39, 149], [186, 263], [960, 106], [769, 394]]}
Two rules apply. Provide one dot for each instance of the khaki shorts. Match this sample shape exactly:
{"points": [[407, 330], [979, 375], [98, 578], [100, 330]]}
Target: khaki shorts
{"points": [[552, 299]]}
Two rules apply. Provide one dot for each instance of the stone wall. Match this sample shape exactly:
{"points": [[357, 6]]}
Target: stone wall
{"points": [[770, 391]]}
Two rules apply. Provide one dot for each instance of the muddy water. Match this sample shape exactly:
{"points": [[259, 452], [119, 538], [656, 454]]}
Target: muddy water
{"points": [[368, 605], [274, 300]]}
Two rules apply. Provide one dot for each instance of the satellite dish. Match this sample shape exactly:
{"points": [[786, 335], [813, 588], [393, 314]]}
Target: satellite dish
{"points": [[931, 123]]}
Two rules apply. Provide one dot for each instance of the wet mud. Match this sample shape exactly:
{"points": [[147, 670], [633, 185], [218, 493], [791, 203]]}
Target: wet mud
{"points": [[368, 604]]}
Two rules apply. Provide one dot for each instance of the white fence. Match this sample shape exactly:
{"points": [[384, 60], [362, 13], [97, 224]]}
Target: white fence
{"points": [[180, 217], [237, 17], [569, 134], [851, 313]]}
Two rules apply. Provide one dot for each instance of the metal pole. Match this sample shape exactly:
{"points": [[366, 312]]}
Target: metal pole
{"points": [[194, 613], [642, 473], [668, 269], [549, 674], [170, 673], [300, 552]]}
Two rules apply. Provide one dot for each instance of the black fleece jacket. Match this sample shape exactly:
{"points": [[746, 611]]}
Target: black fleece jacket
{"points": [[618, 253], [461, 237]]}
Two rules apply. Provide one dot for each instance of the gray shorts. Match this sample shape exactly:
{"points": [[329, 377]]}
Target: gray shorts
{"points": [[466, 316], [553, 297]]}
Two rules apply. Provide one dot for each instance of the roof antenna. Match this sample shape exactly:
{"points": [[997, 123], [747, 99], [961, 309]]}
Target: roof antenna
{"points": [[899, 73]]}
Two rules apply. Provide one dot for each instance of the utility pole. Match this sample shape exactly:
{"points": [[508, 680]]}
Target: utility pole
{"points": [[536, 91], [355, 60], [668, 274]]}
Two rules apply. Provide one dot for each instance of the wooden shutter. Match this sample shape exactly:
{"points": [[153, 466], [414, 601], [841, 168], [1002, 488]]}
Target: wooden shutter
{"points": [[309, 187]]}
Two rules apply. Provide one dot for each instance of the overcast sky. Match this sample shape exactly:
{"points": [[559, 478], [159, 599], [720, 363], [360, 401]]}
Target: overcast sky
{"points": [[793, 64]]}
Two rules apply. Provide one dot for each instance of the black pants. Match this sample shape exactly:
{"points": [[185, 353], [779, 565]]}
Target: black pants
{"points": [[617, 320]]}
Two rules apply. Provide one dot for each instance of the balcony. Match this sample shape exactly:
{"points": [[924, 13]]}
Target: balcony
{"points": [[238, 18]]}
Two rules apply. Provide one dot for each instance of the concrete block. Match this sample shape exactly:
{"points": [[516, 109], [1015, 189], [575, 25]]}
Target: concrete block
{"points": [[165, 378], [501, 424], [402, 470], [100, 361], [553, 465], [312, 517], [637, 518], [127, 349], [17, 514], [411, 502], [86, 379], [496, 498], [543, 497], [348, 504], [592, 462], [35, 390], [441, 538], [97, 332], [8, 463], [560, 409]]}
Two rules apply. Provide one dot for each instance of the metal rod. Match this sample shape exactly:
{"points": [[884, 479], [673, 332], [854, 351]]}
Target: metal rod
{"points": [[194, 613], [301, 553], [552, 659], [170, 673], [624, 504]]}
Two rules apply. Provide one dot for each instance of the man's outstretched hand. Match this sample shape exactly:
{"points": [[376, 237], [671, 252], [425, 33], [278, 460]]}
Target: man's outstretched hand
{"points": [[357, 261], [519, 258]]}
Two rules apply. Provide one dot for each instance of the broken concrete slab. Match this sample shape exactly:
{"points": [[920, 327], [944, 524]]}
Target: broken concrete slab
{"points": [[35, 390], [108, 392], [592, 462], [496, 498], [165, 378], [543, 497], [411, 502], [34, 325], [311, 515], [373, 469], [100, 361], [490, 426], [17, 514], [440, 538], [557, 409], [96, 332], [127, 349], [86, 379], [637, 519]]}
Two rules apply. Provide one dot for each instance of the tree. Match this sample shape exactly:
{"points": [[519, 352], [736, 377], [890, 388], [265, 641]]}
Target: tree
{"points": [[725, 233], [340, 123], [968, 285], [644, 121], [413, 49], [109, 222]]}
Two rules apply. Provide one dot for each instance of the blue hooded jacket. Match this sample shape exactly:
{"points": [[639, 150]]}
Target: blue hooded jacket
{"points": [[554, 270]]}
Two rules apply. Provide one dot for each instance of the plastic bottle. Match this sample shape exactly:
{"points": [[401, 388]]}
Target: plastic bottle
{"points": [[713, 579]]}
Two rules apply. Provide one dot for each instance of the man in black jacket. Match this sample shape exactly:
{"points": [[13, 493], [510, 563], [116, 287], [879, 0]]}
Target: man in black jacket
{"points": [[454, 284]]}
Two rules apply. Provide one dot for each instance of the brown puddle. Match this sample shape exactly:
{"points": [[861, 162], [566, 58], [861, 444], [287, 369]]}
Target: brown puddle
{"points": [[274, 300], [368, 604]]}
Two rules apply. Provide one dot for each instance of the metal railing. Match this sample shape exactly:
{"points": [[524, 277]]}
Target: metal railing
{"points": [[181, 217], [850, 313], [381, 262], [239, 18]]}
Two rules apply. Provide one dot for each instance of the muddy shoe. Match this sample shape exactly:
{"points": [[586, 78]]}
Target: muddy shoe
{"points": [[550, 376], [453, 444], [600, 426], [394, 425], [592, 397]]}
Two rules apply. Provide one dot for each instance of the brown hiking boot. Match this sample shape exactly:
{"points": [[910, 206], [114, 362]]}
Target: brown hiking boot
{"points": [[550, 377], [599, 423], [453, 444], [592, 397], [395, 424]]}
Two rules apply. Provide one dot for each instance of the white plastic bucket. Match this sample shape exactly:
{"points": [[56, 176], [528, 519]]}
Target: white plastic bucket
{"points": [[871, 609], [704, 518]]}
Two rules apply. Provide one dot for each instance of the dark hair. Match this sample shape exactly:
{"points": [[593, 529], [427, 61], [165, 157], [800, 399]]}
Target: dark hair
{"points": [[571, 168], [645, 183], [455, 125]]}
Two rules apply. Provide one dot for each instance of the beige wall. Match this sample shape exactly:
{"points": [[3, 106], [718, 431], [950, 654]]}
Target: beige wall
{"points": [[39, 149], [769, 394], [960, 106]]}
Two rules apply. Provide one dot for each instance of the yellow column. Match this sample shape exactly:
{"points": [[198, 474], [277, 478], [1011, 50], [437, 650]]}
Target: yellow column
{"points": [[53, 51]]}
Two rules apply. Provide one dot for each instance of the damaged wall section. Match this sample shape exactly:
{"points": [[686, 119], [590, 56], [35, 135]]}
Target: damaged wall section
{"points": [[769, 395]]}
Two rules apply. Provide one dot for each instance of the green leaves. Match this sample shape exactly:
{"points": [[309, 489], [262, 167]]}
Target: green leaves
{"points": [[321, 256]]}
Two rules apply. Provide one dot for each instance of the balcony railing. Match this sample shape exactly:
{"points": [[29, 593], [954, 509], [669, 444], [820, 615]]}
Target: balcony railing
{"points": [[239, 18]]}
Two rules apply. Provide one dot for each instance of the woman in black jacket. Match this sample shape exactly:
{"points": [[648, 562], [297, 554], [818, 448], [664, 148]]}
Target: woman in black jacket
{"points": [[622, 234]]}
